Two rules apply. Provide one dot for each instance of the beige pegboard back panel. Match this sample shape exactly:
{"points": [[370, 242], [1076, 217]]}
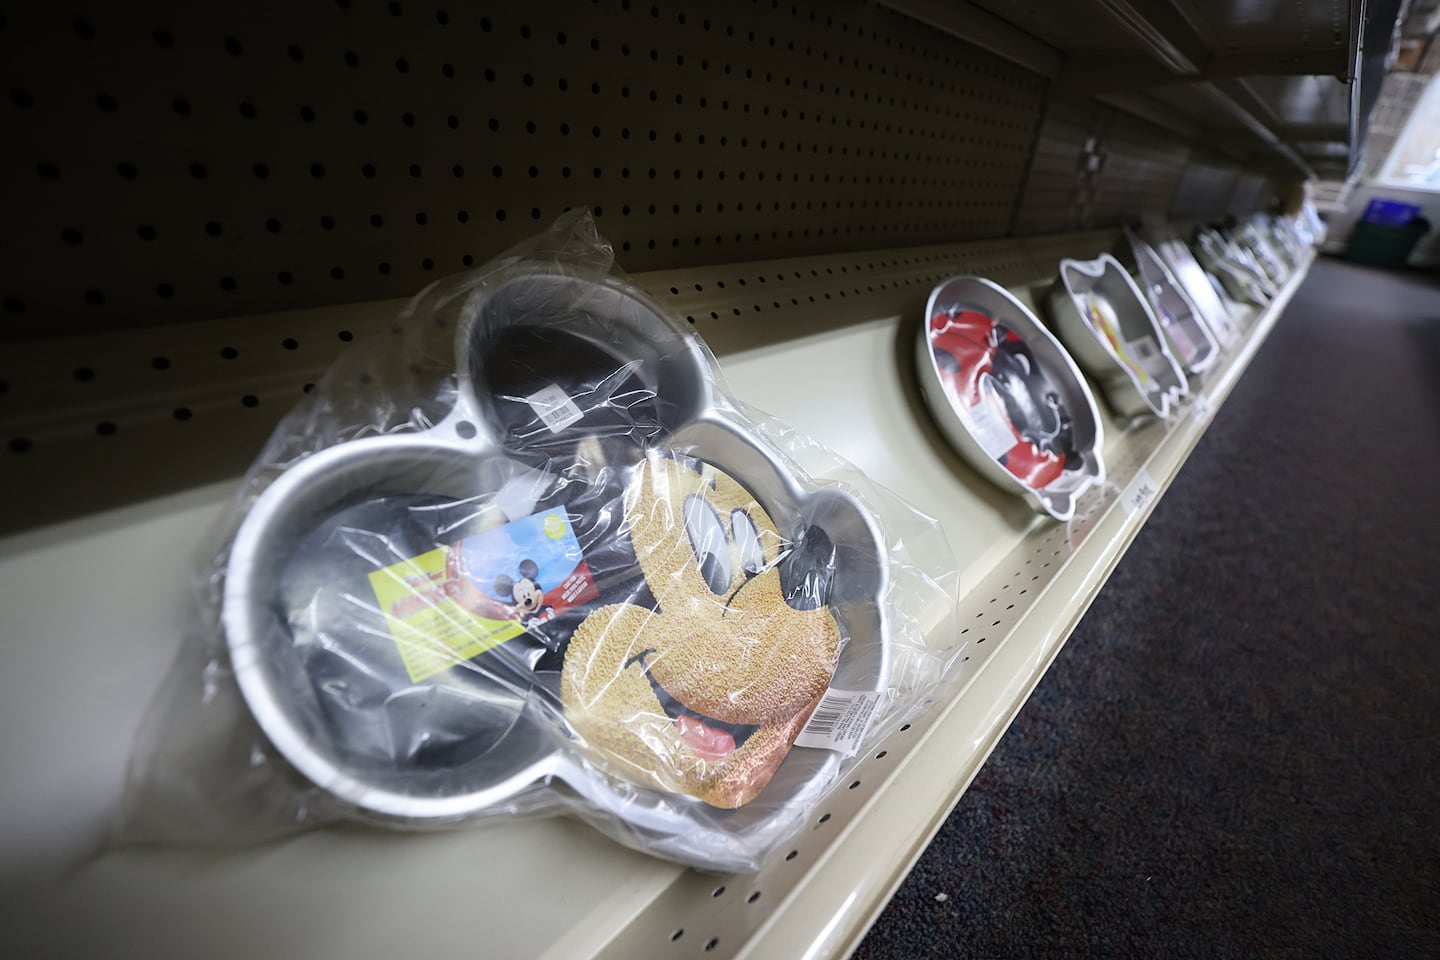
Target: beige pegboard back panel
{"points": [[1096, 166], [1143, 167], [167, 163], [1204, 190], [160, 408], [1065, 170]]}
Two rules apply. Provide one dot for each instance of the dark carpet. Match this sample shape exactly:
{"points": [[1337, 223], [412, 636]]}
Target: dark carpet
{"points": [[1238, 752]]}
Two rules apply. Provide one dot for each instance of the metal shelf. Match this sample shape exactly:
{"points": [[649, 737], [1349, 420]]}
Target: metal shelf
{"points": [[1284, 85], [184, 180], [100, 603]]}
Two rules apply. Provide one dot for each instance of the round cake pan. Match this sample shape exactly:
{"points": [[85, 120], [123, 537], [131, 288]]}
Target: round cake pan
{"points": [[1008, 396]]}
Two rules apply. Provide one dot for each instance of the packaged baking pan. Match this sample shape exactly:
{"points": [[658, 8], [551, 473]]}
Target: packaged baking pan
{"points": [[526, 555], [1008, 396]]}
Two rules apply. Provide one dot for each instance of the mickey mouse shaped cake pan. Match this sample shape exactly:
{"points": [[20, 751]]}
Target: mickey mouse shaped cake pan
{"points": [[586, 579], [1008, 396]]}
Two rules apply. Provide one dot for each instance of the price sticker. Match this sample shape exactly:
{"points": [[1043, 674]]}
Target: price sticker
{"points": [[554, 408], [1139, 493], [1204, 409]]}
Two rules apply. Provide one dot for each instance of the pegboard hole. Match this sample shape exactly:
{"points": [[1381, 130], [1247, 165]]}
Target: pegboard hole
{"points": [[881, 755], [84, 374], [711, 944], [160, 363], [753, 897], [718, 891], [854, 785], [677, 934], [904, 727], [792, 854], [20, 445], [106, 428], [824, 818], [250, 400], [181, 413]]}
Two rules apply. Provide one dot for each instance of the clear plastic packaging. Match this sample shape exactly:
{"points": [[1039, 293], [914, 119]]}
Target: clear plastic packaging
{"points": [[526, 555]]}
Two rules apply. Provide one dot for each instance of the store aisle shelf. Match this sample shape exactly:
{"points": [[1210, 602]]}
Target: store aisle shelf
{"points": [[114, 585]]}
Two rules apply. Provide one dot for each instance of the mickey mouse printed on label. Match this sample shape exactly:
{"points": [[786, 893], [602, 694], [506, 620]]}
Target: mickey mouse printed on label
{"points": [[458, 601]]}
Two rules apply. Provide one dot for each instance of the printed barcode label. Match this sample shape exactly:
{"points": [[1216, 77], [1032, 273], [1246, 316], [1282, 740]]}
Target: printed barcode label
{"points": [[555, 407], [1140, 492], [989, 427], [840, 722]]}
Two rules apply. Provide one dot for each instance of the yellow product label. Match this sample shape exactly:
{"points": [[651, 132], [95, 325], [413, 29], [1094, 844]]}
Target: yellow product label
{"points": [[432, 631], [554, 526]]}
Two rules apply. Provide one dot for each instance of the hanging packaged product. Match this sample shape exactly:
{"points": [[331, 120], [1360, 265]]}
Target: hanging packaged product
{"points": [[1107, 324], [1008, 396], [527, 556]]}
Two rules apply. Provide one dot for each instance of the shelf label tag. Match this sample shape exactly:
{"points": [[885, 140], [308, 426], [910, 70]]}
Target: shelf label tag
{"points": [[554, 407], [1140, 492], [1204, 409], [840, 721]]}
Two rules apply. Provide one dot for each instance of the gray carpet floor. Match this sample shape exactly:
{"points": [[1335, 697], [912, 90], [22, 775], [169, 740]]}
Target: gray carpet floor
{"points": [[1237, 754]]}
